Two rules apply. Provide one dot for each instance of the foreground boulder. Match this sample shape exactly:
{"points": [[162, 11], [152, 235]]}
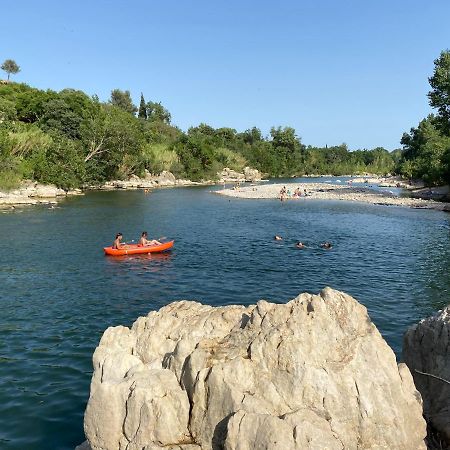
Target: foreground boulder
{"points": [[314, 373], [426, 351]]}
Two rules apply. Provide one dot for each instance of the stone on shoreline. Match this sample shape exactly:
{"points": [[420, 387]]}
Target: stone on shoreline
{"points": [[313, 373], [426, 349], [33, 193]]}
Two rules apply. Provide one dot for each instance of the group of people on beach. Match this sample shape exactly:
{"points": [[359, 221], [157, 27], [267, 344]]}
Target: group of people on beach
{"points": [[142, 241], [286, 193], [325, 245]]}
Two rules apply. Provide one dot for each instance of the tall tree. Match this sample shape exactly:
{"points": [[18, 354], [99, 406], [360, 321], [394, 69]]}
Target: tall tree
{"points": [[10, 67], [122, 99], [440, 94], [142, 114], [157, 113]]}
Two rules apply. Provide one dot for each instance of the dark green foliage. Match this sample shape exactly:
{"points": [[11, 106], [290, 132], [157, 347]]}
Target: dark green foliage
{"points": [[426, 149], [425, 153], [61, 163], [440, 94], [196, 153], [157, 113], [70, 139], [122, 99], [142, 114], [10, 67], [59, 116]]}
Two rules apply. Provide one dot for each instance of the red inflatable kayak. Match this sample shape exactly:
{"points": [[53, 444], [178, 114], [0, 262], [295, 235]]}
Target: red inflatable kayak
{"points": [[135, 249]]}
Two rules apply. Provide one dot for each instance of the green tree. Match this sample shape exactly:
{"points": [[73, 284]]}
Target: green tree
{"points": [[10, 67], [157, 113], [109, 134], [289, 149], [425, 153], [59, 116], [122, 99], [60, 164], [142, 114], [440, 94]]}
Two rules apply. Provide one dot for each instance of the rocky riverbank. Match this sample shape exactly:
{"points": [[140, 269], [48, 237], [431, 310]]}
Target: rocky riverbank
{"points": [[33, 193], [313, 373], [326, 191], [426, 351]]}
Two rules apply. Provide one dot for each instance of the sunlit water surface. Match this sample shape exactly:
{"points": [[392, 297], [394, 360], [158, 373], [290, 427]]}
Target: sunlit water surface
{"points": [[58, 291]]}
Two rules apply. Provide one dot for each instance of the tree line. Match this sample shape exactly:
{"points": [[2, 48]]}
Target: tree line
{"points": [[71, 139], [426, 148]]}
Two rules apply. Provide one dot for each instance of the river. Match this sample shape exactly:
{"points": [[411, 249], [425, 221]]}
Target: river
{"points": [[58, 291]]}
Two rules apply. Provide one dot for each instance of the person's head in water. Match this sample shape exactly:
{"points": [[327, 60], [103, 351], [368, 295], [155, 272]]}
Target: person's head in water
{"points": [[278, 238], [326, 245], [299, 244]]}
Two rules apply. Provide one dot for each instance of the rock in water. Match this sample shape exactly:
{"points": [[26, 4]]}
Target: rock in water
{"points": [[426, 349], [314, 373]]}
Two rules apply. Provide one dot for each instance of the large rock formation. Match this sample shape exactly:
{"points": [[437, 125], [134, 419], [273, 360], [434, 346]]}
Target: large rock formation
{"points": [[314, 373], [228, 175], [426, 351], [32, 193]]}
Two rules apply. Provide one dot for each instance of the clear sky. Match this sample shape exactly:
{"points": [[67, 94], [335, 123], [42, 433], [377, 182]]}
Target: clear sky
{"points": [[337, 71]]}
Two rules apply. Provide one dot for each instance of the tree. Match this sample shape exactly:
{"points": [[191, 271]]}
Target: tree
{"points": [[59, 116], [108, 136], [157, 112], [10, 67], [122, 99], [440, 94], [425, 153], [142, 114]]}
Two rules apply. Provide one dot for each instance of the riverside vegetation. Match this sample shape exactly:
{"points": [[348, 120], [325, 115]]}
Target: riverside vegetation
{"points": [[72, 140]]}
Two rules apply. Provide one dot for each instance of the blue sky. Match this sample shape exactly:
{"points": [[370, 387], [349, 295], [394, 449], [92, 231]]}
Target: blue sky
{"points": [[337, 71]]}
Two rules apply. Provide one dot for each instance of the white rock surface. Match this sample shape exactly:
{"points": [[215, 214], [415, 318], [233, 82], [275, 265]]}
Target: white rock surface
{"points": [[314, 373], [252, 174], [426, 348], [32, 193], [228, 175]]}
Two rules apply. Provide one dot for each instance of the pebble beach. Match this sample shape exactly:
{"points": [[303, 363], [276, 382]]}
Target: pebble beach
{"points": [[325, 191]]}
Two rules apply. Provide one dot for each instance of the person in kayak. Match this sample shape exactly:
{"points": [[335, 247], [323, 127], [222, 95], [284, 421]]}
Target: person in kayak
{"points": [[144, 241], [117, 245]]}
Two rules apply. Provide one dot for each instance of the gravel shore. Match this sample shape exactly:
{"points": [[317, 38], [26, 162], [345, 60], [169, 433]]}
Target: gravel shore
{"points": [[325, 191]]}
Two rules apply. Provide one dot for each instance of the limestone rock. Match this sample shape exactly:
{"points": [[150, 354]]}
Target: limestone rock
{"points": [[230, 176], [252, 174], [314, 373], [166, 178], [426, 348]]}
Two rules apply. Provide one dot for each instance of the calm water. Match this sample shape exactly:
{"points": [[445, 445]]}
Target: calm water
{"points": [[58, 292]]}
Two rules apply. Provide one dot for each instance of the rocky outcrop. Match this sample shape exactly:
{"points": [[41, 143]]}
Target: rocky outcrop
{"points": [[228, 175], [148, 181], [426, 351], [252, 174], [314, 373], [32, 193]]}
